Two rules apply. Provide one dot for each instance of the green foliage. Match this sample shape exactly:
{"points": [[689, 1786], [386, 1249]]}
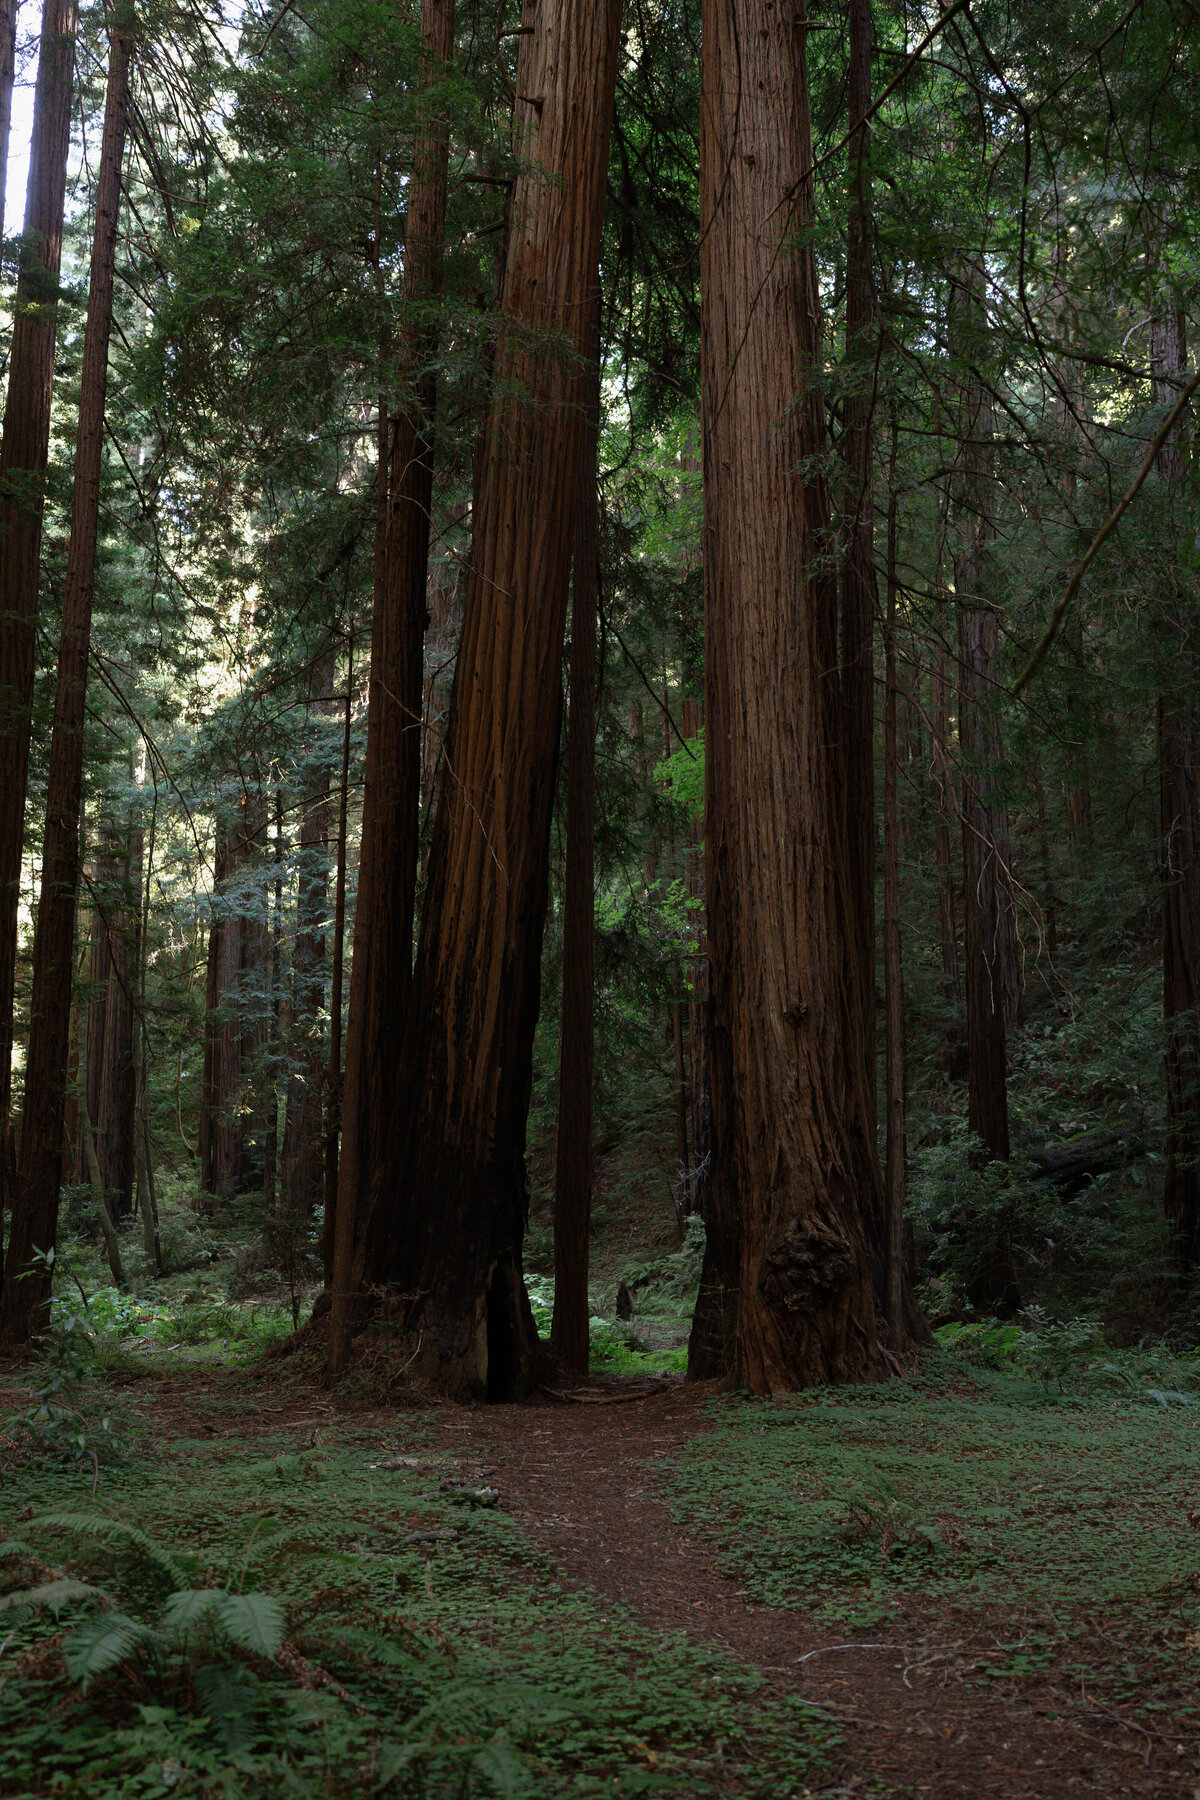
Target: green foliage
{"points": [[304, 1646]]}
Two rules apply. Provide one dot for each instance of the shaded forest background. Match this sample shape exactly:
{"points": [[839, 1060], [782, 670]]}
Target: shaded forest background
{"points": [[1012, 346]]}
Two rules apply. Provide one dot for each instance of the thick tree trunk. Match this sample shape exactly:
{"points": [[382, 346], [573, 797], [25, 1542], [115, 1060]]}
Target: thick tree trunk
{"points": [[381, 973], [35, 1212], [1178, 751], [792, 1183], [895, 1168], [573, 1144], [445, 1225], [303, 1141], [23, 453]]}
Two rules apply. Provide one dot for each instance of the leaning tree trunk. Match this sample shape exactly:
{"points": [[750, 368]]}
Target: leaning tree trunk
{"points": [[23, 454], [573, 1142], [445, 1225], [792, 1183], [1178, 751], [35, 1210], [381, 972]]}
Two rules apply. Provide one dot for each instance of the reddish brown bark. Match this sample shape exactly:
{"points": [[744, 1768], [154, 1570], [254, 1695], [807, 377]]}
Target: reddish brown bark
{"points": [[573, 1143], [111, 977], [792, 1183], [381, 972], [23, 452], [445, 1226], [43, 1126], [8, 66]]}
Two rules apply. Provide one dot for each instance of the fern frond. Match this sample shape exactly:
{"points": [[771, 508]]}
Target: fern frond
{"points": [[55, 1594], [117, 1535], [191, 1609], [104, 1642], [253, 1621]]}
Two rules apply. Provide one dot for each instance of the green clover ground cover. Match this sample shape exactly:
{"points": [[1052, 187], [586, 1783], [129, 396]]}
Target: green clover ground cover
{"points": [[357, 1662], [971, 1500]]}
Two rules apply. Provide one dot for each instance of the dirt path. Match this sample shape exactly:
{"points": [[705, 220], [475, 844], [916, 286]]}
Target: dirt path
{"points": [[581, 1479]]}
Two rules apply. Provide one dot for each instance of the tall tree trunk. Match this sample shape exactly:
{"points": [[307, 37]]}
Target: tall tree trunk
{"points": [[945, 807], [985, 887], [895, 1168], [274, 1092], [303, 1146], [381, 972], [333, 1079], [792, 1182], [446, 1224], [573, 1144], [1178, 751], [23, 454], [859, 590], [8, 69]]}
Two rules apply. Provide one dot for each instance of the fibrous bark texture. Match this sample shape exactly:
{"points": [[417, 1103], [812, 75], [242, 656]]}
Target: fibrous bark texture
{"points": [[381, 973], [303, 1137], [23, 452], [35, 1209], [787, 1271], [446, 1223], [573, 1141]]}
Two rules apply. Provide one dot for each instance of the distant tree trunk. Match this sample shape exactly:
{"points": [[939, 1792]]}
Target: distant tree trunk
{"points": [[985, 888], [276, 1027], [858, 584], [23, 453], [895, 1169], [230, 1158], [697, 1001], [333, 1079], [111, 976], [35, 1212], [1178, 751], [446, 1223], [303, 1145], [8, 67], [381, 973], [573, 1145], [792, 1184], [944, 810]]}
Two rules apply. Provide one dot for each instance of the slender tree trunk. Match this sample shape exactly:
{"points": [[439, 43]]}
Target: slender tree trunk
{"points": [[303, 1143], [699, 1133], [333, 1080], [274, 1100], [859, 591], [230, 1158], [793, 1185], [23, 454], [381, 973], [111, 975], [8, 69], [446, 1224], [895, 1169], [945, 808], [1179, 802], [985, 883], [573, 1145]]}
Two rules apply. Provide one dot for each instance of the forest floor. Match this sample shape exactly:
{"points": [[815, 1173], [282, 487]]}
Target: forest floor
{"points": [[962, 1584]]}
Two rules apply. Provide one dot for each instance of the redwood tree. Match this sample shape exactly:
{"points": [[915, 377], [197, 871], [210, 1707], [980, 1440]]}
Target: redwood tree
{"points": [[792, 1183], [23, 453], [446, 1220]]}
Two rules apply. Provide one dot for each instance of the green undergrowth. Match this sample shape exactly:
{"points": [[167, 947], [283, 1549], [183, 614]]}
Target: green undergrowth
{"points": [[1062, 1520], [265, 1617]]}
